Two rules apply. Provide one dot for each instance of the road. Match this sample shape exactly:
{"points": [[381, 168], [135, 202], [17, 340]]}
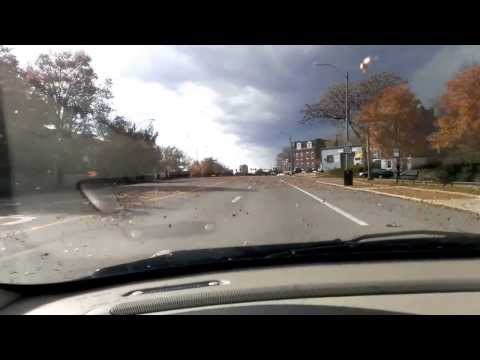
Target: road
{"points": [[61, 236]]}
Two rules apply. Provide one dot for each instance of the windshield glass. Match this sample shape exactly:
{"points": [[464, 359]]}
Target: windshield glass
{"points": [[115, 154]]}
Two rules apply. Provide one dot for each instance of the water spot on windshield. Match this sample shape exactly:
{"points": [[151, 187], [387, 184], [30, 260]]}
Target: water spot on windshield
{"points": [[209, 227], [162, 253]]}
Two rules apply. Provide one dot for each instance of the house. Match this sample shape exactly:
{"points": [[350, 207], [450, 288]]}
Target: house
{"points": [[331, 157]]}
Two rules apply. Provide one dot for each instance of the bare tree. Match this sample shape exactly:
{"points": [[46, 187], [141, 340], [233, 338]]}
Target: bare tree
{"points": [[285, 154], [331, 106]]}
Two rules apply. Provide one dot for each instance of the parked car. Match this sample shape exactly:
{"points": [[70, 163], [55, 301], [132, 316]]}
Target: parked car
{"points": [[297, 171], [378, 173], [409, 175]]}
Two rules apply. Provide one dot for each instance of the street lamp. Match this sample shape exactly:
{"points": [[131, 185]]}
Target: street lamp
{"points": [[364, 68], [347, 180]]}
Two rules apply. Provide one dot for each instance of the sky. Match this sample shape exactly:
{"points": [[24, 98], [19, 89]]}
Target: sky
{"points": [[240, 104]]}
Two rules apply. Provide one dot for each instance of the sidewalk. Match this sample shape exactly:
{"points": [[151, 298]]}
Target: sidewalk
{"points": [[460, 200]]}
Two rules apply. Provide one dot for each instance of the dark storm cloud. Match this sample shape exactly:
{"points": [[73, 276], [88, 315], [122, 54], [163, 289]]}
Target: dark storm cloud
{"points": [[263, 88]]}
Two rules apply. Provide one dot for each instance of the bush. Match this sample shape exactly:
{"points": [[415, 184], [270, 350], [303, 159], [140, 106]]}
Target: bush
{"points": [[339, 172], [450, 172], [335, 173], [357, 169]]}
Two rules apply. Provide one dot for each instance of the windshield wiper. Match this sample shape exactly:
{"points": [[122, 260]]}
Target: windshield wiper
{"points": [[412, 241], [404, 245], [458, 237]]}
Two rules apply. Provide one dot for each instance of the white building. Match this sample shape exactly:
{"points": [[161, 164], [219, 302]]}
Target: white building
{"points": [[406, 163], [331, 157]]}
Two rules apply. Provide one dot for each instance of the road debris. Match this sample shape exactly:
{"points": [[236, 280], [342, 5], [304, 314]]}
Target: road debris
{"points": [[393, 225]]}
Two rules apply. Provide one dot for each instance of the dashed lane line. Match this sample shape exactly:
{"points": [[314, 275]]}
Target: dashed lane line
{"points": [[331, 206]]}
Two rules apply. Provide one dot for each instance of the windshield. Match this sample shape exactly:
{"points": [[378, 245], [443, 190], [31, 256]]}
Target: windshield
{"points": [[116, 154]]}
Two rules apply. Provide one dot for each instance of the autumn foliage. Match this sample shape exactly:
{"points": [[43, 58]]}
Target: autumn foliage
{"points": [[458, 126], [208, 167], [396, 119]]}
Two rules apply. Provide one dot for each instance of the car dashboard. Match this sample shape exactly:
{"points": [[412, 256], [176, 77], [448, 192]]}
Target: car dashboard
{"points": [[366, 288]]}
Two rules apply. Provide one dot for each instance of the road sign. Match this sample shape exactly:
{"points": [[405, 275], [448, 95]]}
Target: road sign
{"points": [[347, 149], [396, 152]]}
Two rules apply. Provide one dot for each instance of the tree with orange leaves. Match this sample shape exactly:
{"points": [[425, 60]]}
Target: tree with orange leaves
{"points": [[396, 119], [458, 126]]}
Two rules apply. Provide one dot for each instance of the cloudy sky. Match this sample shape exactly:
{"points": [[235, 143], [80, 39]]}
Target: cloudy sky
{"points": [[240, 103]]}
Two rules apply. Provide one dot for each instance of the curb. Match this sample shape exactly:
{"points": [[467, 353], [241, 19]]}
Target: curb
{"points": [[429, 202], [430, 190]]}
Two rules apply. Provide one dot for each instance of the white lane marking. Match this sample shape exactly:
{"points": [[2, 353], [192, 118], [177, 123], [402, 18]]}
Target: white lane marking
{"points": [[236, 199], [64, 221], [333, 207], [19, 219]]}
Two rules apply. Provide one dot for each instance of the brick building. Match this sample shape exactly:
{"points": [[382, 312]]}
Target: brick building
{"points": [[306, 154]]}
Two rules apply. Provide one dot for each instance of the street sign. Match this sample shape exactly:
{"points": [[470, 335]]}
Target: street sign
{"points": [[347, 149], [396, 152]]}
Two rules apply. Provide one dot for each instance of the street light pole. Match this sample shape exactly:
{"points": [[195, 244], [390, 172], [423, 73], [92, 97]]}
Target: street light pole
{"points": [[347, 113], [364, 67], [347, 119]]}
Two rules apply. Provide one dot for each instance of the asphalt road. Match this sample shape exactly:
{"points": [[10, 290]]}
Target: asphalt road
{"points": [[61, 236]]}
